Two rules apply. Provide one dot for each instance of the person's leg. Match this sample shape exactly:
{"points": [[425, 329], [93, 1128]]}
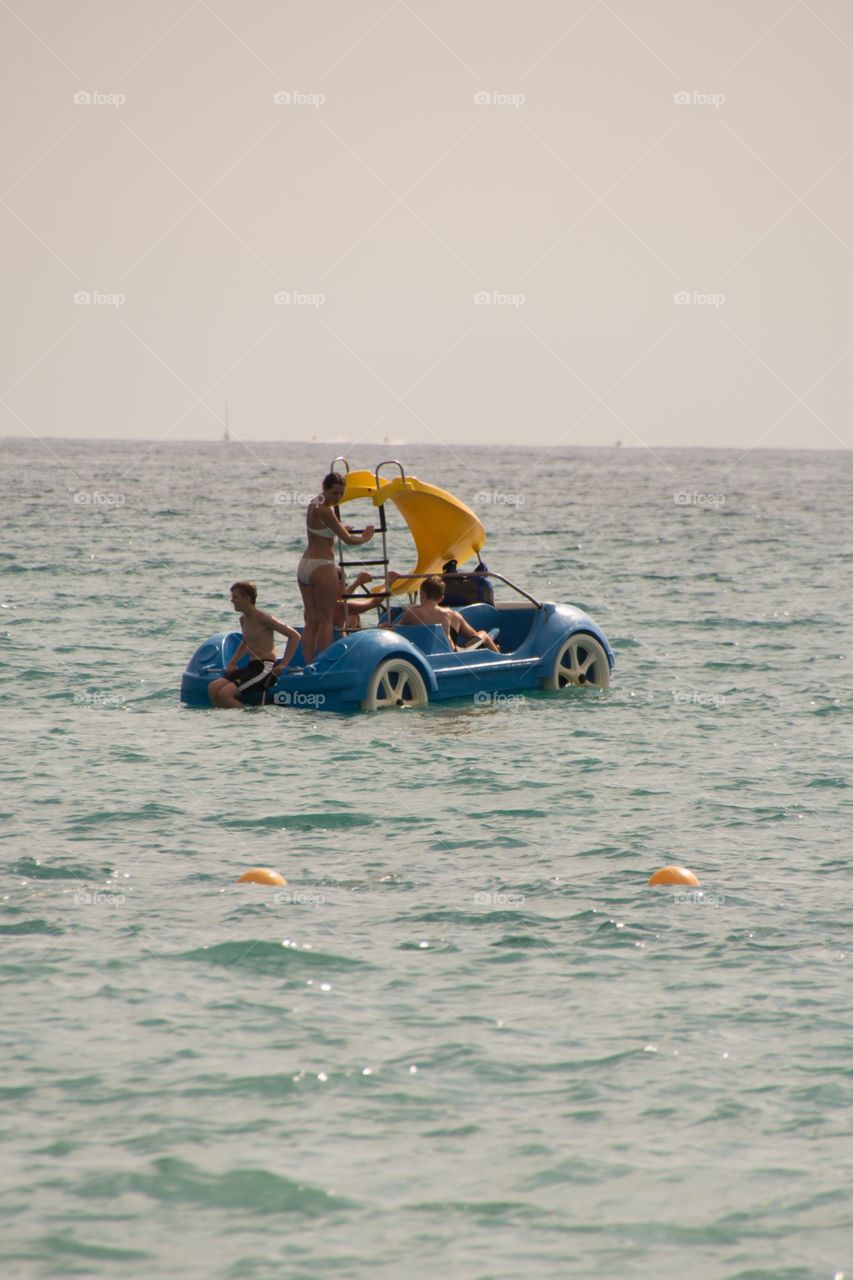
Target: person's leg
{"points": [[223, 694], [228, 699], [325, 584], [488, 642], [309, 631], [213, 690]]}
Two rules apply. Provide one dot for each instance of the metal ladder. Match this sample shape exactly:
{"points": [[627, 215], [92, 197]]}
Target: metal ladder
{"points": [[383, 529]]}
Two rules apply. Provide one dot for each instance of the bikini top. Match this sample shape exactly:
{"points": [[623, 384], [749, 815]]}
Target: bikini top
{"points": [[320, 533]]}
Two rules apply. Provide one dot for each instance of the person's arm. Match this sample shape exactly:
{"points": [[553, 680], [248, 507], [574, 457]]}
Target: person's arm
{"points": [[293, 639], [242, 648], [365, 606], [331, 521], [464, 628], [359, 581]]}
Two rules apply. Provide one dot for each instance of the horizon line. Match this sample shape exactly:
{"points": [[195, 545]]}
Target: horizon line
{"points": [[414, 444]]}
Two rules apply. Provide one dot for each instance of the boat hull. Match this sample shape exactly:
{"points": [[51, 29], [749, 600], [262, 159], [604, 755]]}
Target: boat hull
{"points": [[536, 640]]}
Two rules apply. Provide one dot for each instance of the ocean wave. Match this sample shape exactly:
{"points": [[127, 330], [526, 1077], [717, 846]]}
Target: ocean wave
{"points": [[179, 1182]]}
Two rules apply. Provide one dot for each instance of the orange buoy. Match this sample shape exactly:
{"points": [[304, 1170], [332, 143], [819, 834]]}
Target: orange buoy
{"points": [[674, 875], [261, 875]]}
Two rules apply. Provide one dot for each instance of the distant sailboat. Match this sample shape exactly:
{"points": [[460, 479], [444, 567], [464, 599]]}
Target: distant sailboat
{"points": [[226, 434]]}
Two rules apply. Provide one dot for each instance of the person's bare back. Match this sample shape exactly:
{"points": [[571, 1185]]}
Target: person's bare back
{"points": [[430, 612]]}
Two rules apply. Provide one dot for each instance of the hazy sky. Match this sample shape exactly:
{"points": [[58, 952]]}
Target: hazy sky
{"points": [[577, 165]]}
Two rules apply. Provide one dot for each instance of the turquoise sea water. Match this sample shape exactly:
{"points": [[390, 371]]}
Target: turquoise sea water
{"points": [[467, 1039]]}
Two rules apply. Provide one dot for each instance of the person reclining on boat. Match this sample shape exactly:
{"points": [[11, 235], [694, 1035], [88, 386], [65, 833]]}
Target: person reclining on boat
{"points": [[258, 641], [347, 611], [430, 611]]}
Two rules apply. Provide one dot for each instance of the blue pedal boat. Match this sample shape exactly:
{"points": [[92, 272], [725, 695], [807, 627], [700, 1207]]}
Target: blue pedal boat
{"points": [[543, 645]]}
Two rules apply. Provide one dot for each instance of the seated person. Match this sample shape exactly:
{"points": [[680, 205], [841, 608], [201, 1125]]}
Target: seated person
{"points": [[348, 612], [430, 611], [258, 641]]}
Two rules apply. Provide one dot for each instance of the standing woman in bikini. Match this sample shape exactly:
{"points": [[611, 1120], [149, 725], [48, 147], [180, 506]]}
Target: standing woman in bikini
{"points": [[316, 572]]}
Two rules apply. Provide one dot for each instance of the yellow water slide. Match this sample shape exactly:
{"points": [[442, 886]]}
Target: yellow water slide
{"points": [[442, 527]]}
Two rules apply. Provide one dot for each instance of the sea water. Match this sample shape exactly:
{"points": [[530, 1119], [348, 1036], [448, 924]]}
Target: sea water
{"points": [[466, 1039]]}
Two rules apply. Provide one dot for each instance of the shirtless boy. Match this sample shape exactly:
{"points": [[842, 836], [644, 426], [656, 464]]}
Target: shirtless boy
{"points": [[430, 611], [259, 642]]}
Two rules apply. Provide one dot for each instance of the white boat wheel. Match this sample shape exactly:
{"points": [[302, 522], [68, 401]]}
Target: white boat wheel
{"points": [[395, 683], [581, 660]]}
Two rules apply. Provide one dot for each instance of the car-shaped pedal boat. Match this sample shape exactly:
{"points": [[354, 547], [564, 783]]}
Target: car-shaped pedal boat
{"points": [[542, 645]]}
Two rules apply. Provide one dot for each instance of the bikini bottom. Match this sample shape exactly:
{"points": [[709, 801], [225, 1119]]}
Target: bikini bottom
{"points": [[307, 565]]}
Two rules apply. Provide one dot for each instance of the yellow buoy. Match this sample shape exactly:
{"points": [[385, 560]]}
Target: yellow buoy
{"points": [[261, 875], [674, 875]]}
